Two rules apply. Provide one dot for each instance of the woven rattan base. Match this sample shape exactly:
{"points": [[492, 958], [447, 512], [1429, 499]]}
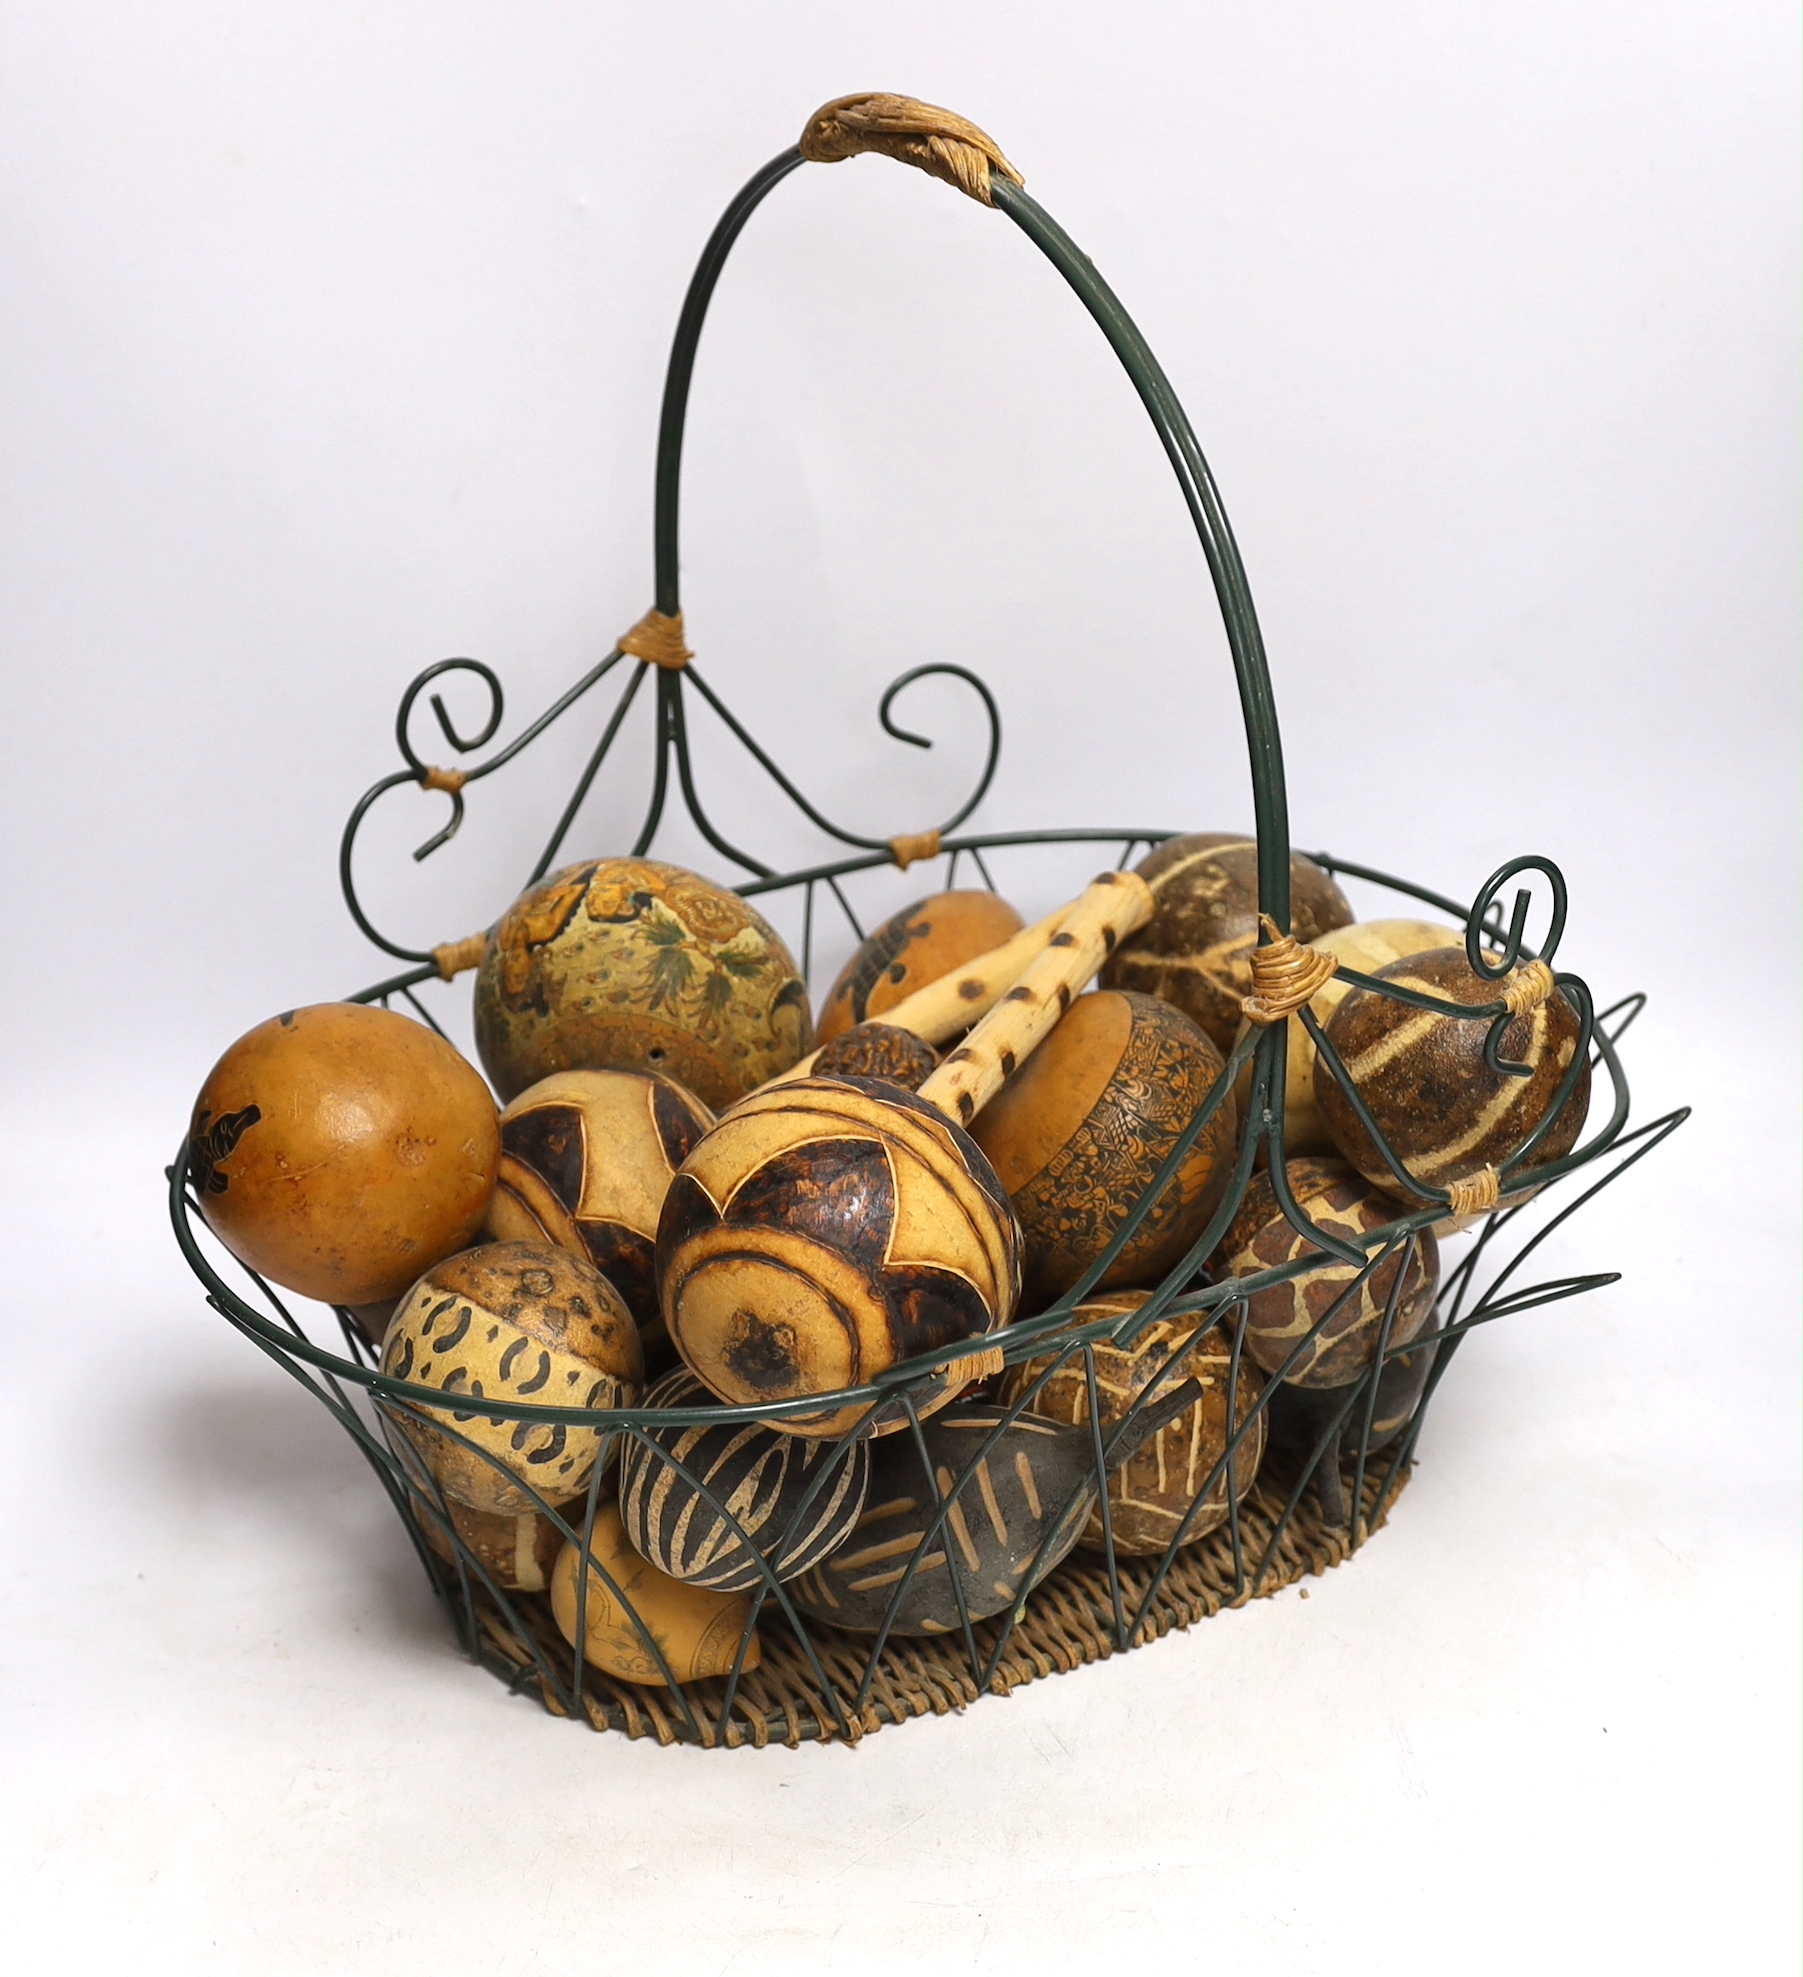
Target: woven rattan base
{"points": [[1070, 1620]]}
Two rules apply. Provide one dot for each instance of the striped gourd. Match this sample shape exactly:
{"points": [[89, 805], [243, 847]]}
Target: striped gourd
{"points": [[794, 1500], [1018, 1491]]}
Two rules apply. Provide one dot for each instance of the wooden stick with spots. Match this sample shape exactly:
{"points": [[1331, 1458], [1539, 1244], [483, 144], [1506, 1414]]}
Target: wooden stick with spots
{"points": [[946, 1007], [1115, 905]]}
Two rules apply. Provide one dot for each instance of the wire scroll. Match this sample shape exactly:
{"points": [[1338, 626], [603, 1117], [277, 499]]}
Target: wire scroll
{"points": [[671, 749]]}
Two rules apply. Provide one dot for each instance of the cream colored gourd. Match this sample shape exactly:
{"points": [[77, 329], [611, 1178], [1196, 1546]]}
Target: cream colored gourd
{"points": [[512, 1321]]}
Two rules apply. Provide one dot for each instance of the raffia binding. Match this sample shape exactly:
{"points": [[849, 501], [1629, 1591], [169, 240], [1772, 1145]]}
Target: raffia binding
{"points": [[982, 1365], [939, 142], [1069, 1622], [1527, 987], [912, 848], [456, 957], [658, 640], [1285, 975], [1477, 1193], [449, 780]]}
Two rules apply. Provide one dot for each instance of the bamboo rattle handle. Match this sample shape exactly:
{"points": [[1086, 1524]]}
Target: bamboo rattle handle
{"points": [[942, 1009], [1115, 905]]}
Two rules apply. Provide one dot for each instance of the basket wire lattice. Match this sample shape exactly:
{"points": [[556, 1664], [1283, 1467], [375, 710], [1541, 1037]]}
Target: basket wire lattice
{"points": [[823, 1682]]}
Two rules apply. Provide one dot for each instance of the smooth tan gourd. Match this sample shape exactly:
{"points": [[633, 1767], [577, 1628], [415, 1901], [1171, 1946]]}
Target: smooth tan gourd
{"points": [[698, 1632], [340, 1149]]}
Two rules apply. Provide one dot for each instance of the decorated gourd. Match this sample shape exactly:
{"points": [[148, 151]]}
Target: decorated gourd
{"points": [[1366, 945], [1448, 1117], [1151, 1494], [1302, 1418], [629, 964], [877, 1050], [1020, 1506], [586, 1160], [911, 948], [1281, 1317], [697, 1632], [512, 1321], [824, 1231], [830, 1228], [1197, 950], [1077, 1135], [340, 1149], [793, 1500], [516, 1553], [1019, 1492]]}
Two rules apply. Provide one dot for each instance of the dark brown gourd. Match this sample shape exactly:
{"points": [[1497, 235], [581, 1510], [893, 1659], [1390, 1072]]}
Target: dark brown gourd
{"points": [[1366, 945], [1150, 1495], [1019, 1493], [877, 1050], [1423, 1078], [1197, 950], [1301, 1418], [1282, 1316], [794, 1500], [1079, 1132]]}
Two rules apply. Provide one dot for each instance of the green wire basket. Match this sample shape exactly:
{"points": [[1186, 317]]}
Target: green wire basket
{"points": [[822, 1682]]}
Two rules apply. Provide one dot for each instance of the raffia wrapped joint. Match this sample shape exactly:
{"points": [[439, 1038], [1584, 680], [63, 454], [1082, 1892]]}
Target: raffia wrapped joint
{"points": [[938, 142], [1476, 1194], [658, 640], [1285, 975], [913, 848], [1527, 987], [456, 957]]}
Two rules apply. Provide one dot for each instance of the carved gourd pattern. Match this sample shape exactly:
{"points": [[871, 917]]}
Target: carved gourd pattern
{"points": [[1018, 1494], [632, 964], [1151, 1493], [795, 1500], [1282, 1316], [514, 1322]]}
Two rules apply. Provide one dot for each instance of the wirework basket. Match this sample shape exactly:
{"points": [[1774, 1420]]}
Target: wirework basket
{"points": [[1298, 1516]]}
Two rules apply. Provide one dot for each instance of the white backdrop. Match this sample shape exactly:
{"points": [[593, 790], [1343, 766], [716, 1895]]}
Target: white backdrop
{"points": [[331, 344]]}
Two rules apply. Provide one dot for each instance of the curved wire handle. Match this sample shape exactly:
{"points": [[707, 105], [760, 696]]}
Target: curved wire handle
{"points": [[953, 149], [1232, 590]]}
